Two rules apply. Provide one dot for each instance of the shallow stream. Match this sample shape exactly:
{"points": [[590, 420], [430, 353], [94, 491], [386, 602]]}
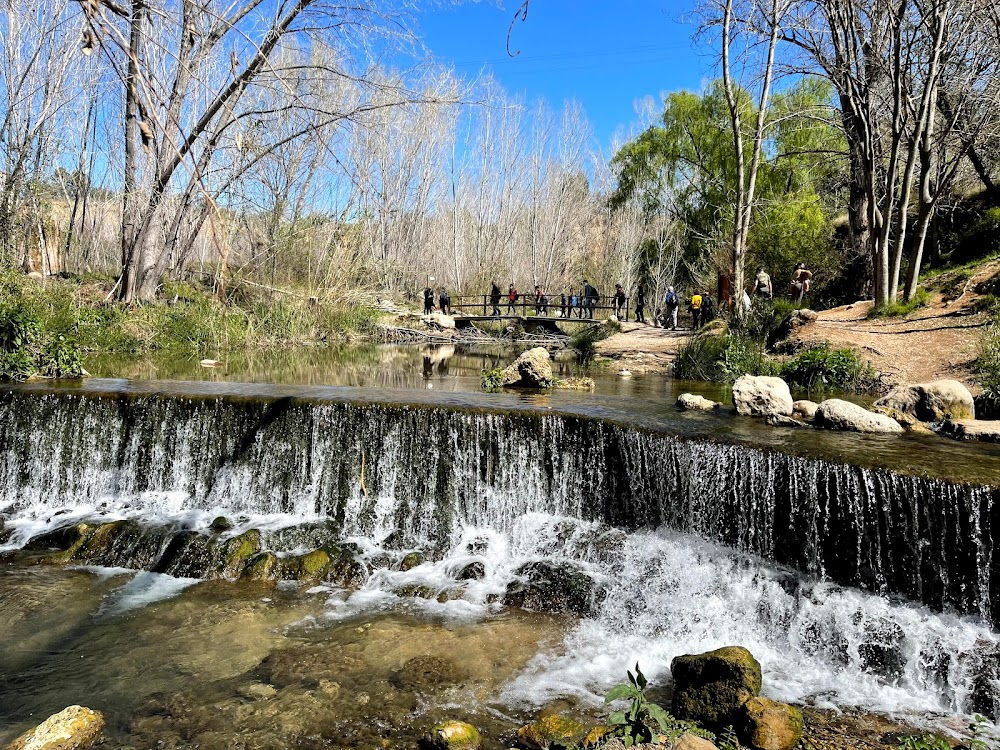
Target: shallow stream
{"points": [[859, 570]]}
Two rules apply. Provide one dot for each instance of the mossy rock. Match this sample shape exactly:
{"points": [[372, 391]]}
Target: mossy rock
{"points": [[262, 567], [345, 569], [235, 552], [411, 560], [551, 731], [765, 724], [126, 544], [73, 728], [63, 543], [453, 735], [554, 587], [190, 554], [220, 525], [711, 688], [311, 566]]}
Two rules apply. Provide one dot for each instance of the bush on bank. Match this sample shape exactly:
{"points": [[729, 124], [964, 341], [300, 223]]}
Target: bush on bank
{"points": [[64, 316]]}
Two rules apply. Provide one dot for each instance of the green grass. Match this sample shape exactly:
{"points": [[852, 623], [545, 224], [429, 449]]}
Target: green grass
{"points": [[189, 320], [901, 308]]}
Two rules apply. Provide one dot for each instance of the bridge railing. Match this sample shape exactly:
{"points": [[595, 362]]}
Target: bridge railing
{"points": [[526, 307]]}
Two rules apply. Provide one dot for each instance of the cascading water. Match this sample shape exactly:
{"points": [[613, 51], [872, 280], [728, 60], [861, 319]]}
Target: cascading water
{"points": [[504, 488]]}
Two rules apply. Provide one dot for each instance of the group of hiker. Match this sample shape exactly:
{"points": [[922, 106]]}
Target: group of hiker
{"points": [[578, 304], [581, 304]]}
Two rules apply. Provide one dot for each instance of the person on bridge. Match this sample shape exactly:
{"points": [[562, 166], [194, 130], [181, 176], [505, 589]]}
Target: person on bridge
{"points": [[574, 304], [673, 304], [640, 305], [695, 307], [707, 309], [590, 297], [511, 300], [619, 300], [562, 305], [495, 298], [444, 301], [541, 302], [428, 300]]}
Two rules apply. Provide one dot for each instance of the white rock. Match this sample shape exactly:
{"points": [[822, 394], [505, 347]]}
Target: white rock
{"points": [[836, 414], [761, 396], [930, 402], [805, 408], [691, 402], [981, 430]]}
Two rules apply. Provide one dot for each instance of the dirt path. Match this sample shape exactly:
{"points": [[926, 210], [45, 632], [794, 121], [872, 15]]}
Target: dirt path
{"points": [[642, 348], [940, 340]]}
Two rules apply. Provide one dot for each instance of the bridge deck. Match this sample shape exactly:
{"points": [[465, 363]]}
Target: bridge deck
{"points": [[528, 319]]}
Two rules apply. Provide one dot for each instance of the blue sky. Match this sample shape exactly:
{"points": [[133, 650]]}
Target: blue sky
{"points": [[605, 54]]}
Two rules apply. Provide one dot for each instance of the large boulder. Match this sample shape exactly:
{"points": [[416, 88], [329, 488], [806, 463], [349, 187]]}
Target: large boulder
{"points": [[560, 588], [688, 741], [71, 729], [979, 430], [764, 724], [533, 369], [835, 414], [791, 323], [453, 735], [551, 731], [762, 396], [710, 688], [691, 402], [930, 402]]}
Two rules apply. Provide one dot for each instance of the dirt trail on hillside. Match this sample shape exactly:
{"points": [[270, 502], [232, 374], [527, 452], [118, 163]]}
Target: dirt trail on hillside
{"points": [[940, 340]]}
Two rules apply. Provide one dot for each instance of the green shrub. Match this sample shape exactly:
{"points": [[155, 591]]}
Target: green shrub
{"points": [[37, 339], [491, 381], [643, 719], [988, 364], [821, 368], [722, 359]]}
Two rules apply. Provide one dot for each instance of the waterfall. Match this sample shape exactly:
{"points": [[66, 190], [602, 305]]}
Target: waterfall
{"points": [[429, 472], [695, 542]]}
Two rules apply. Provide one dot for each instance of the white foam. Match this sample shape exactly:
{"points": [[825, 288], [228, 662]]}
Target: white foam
{"points": [[144, 589]]}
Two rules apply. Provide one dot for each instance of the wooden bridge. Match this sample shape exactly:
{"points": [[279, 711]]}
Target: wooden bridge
{"points": [[526, 312]]}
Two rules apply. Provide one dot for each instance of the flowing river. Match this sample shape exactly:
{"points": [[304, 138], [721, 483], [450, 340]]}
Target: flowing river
{"points": [[858, 569]]}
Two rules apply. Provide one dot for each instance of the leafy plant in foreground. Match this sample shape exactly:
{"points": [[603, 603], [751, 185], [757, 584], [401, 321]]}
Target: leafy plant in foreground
{"points": [[491, 381], [644, 719], [976, 739]]}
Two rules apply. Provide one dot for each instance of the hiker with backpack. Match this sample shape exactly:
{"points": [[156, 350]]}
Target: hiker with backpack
{"points": [[672, 303]]}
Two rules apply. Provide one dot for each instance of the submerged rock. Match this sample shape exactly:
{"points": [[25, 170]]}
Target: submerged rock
{"points": [[761, 396], [551, 731], [533, 369], [764, 724], [835, 414], [553, 587], [930, 402], [423, 673], [73, 728], [453, 735], [710, 688], [691, 402]]}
